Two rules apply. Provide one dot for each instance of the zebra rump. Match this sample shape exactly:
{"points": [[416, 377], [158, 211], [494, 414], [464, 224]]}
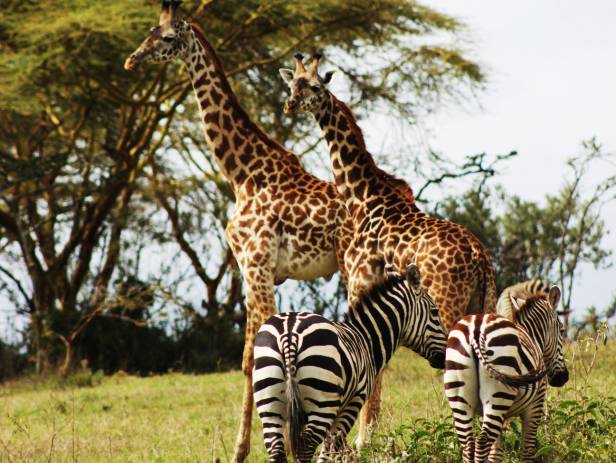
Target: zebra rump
{"points": [[313, 375], [532, 376]]}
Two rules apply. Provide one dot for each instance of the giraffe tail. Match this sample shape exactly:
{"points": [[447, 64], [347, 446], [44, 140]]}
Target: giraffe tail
{"points": [[487, 280]]}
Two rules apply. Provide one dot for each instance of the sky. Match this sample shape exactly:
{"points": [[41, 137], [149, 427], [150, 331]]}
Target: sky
{"points": [[551, 68]]}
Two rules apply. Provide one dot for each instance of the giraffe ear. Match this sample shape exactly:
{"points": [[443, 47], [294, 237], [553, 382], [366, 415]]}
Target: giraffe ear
{"points": [[413, 276], [286, 74], [554, 296], [328, 77]]}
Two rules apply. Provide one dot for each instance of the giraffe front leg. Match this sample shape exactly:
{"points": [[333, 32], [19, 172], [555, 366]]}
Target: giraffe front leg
{"points": [[369, 413], [260, 305]]}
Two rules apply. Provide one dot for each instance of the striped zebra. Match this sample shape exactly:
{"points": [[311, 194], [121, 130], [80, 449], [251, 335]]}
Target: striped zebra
{"points": [[314, 375], [522, 290], [497, 367]]}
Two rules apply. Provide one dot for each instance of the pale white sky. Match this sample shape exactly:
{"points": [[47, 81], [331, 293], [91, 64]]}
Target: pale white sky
{"points": [[551, 68]]}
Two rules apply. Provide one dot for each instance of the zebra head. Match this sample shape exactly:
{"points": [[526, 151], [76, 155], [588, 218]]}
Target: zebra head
{"points": [[422, 331], [539, 316]]}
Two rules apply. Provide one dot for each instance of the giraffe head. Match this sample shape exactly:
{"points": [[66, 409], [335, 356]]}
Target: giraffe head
{"points": [[165, 42], [308, 88]]}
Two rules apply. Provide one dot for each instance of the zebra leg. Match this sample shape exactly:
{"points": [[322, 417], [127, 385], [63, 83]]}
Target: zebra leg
{"points": [[271, 400], [491, 430], [338, 447], [530, 422], [496, 452], [468, 450], [317, 431], [460, 390], [273, 419]]}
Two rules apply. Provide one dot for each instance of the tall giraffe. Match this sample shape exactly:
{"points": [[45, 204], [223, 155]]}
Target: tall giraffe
{"points": [[286, 222], [456, 269]]}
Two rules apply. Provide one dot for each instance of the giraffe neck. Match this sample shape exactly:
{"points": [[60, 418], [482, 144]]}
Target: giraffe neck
{"points": [[239, 146], [357, 176]]}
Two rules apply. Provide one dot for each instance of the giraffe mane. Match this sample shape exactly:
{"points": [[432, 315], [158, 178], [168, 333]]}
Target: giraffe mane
{"points": [[238, 112], [400, 185]]}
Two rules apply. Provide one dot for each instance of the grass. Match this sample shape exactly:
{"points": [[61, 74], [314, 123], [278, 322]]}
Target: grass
{"points": [[193, 418]]}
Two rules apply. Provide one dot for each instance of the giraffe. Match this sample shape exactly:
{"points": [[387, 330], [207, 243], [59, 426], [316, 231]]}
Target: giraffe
{"points": [[456, 269], [286, 222]]}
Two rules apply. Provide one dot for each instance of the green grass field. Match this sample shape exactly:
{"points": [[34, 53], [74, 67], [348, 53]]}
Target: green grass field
{"points": [[190, 418]]}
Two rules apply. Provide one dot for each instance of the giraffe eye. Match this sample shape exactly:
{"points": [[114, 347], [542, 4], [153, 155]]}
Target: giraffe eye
{"points": [[168, 38], [314, 88]]}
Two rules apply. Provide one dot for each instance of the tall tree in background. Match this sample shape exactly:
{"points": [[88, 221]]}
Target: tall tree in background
{"points": [[550, 240], [101, 171]]}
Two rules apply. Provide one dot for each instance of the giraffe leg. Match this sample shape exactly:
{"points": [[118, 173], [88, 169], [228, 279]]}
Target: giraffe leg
{"points": [[369, 412], [260, 305]]}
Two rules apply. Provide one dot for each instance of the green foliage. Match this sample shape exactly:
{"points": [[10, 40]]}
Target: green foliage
{"points": [[575, 431]]}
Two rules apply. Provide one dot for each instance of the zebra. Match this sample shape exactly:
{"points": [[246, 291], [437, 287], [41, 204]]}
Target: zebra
{"points": [[520, 290], [497, 367], [314, 375]]}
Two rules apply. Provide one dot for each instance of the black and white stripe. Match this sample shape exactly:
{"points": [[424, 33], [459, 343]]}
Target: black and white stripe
{"points": [[497, 367], [315, 375], [522, 290]]}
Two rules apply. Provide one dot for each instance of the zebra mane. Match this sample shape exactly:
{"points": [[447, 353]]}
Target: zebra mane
{"points": [[391, 281], [526, 290], [530, 302]]}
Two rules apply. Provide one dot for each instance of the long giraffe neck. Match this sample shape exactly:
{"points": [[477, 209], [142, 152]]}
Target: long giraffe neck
{"points": [[239, 146], [357, 176]]}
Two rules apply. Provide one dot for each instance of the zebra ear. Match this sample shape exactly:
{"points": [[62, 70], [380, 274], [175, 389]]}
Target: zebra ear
{"points": [[554, 296], [413, 276], [516, 302]]}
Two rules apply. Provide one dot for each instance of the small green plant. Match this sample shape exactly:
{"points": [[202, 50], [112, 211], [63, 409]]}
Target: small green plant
{"points": [[580, 424]]}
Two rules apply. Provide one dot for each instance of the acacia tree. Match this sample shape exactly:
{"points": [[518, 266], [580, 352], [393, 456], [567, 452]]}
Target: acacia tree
{"points": [[94, 162]]}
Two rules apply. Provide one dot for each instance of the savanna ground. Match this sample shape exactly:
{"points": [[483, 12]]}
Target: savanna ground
{"points": [[192, 418]]}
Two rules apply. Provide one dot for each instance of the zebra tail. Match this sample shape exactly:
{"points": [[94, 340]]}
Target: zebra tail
{"points": [[295, 413], [510, 380]]}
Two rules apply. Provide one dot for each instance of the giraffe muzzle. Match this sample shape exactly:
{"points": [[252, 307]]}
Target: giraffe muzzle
{"points": [[132, 61], [290, 106]]}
